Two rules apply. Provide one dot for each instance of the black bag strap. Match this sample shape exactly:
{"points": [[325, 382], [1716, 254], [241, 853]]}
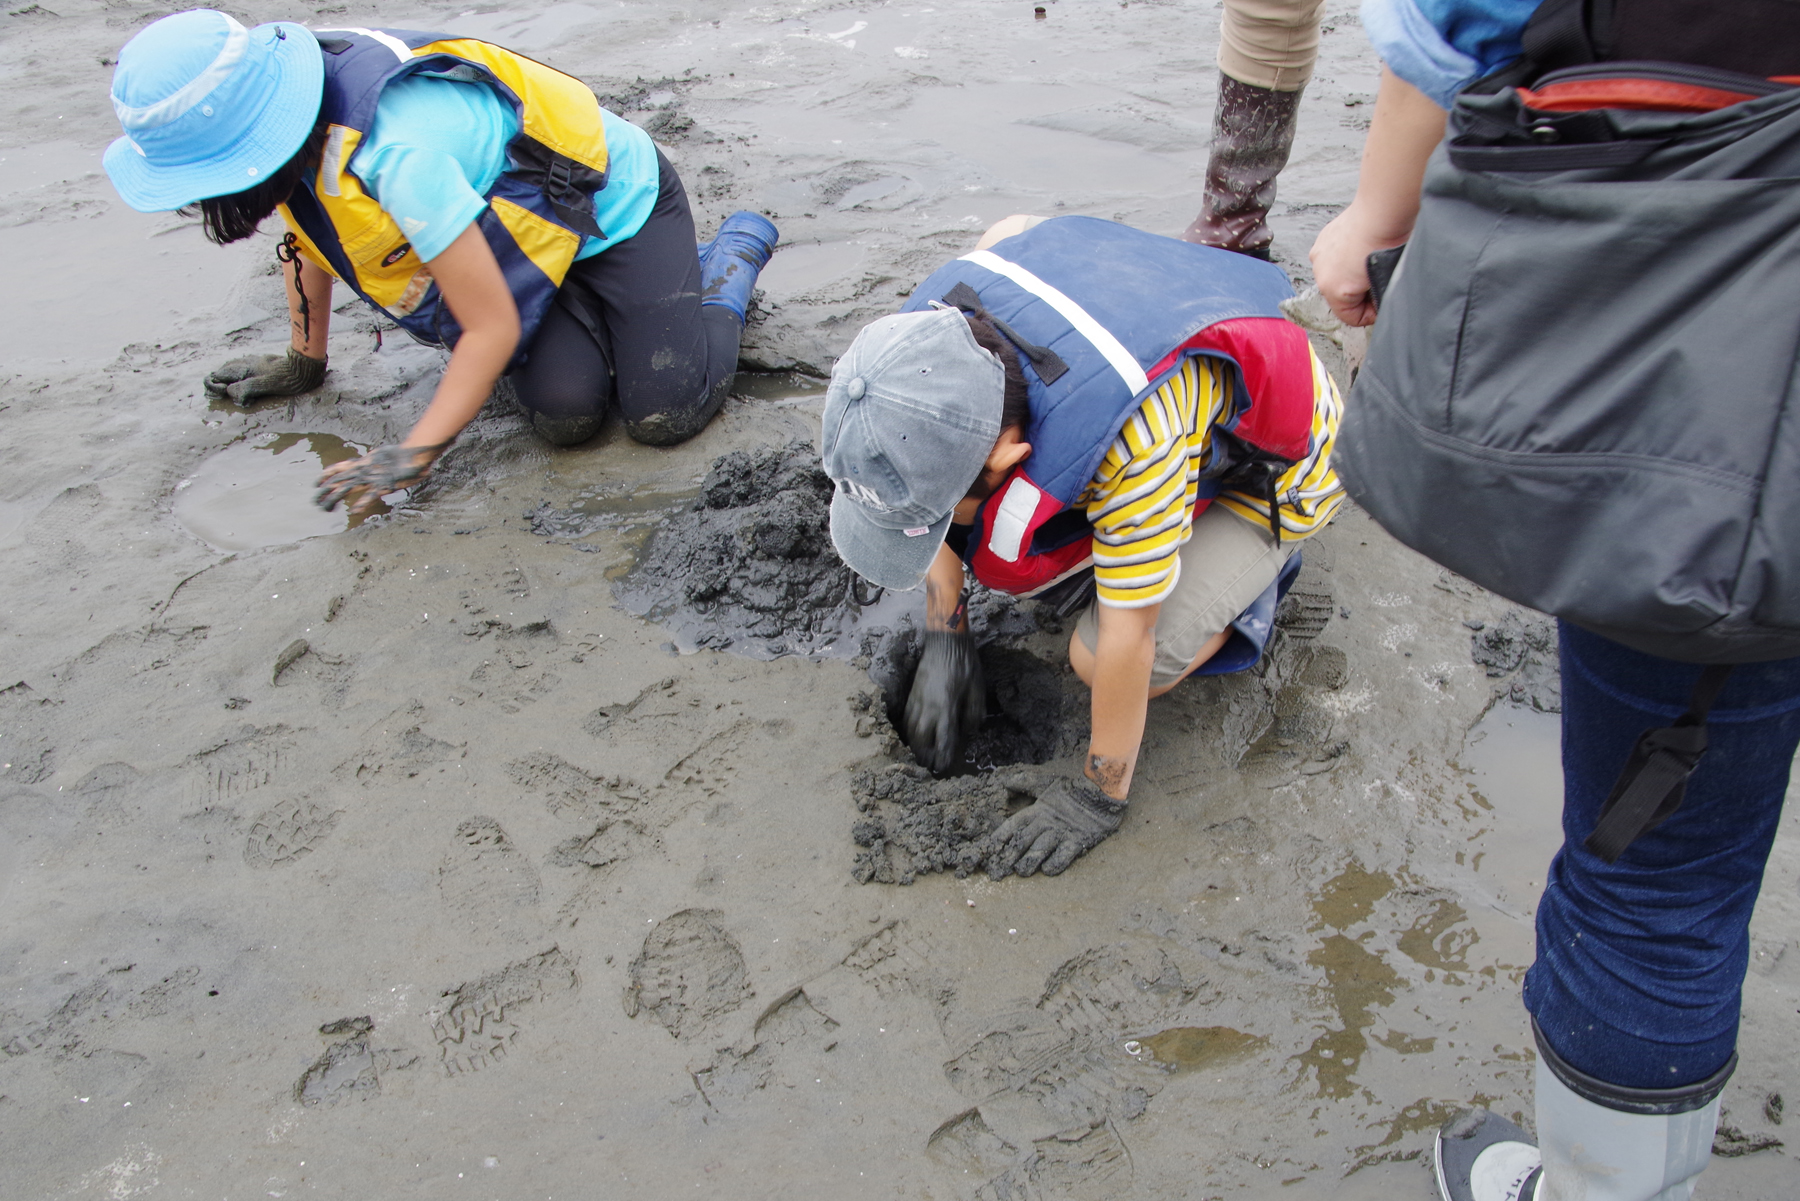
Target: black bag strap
{"points": [[1046, 362], [1654, 781]]}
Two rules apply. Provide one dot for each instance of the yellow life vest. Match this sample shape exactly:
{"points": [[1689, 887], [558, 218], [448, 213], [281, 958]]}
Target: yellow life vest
{"points": [[539, 209]]}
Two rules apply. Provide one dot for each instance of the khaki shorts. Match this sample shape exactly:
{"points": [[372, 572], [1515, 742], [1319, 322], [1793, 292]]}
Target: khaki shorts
{"points": [[1225, 565], [1270, 43]]}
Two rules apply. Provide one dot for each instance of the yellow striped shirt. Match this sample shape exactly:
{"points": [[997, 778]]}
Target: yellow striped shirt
{"points": [[1141, 499]]}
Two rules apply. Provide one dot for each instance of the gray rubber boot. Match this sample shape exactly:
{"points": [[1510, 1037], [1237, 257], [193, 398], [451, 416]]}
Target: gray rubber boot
{"points": [[1253, 132], [1596, 1152], [1596, 1141]]}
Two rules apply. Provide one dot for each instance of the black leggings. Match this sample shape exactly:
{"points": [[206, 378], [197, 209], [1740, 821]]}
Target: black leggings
{"points": [[627, 326]]}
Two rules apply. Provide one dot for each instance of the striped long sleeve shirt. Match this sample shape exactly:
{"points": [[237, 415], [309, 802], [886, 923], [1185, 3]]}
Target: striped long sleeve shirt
{"points": [[1142, 497]]}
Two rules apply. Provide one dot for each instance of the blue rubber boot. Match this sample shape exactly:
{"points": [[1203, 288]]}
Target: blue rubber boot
{"points": [[730, 263]]}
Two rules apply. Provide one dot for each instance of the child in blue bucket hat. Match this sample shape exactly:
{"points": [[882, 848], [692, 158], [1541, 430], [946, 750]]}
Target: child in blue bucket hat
{"points": [[479, 199]]}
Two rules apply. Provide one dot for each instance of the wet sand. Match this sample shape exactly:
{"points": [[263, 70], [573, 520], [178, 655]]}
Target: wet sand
{"points": [[402, 860]]}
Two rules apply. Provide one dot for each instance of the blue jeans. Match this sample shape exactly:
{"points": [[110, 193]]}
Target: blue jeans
{"points": [[1640, 963]]}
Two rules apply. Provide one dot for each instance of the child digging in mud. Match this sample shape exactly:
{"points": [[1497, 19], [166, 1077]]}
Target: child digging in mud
{"points": [[1077, 397], [481, 200]]}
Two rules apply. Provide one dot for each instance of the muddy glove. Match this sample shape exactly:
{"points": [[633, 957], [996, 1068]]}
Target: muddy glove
{"points": [[255, 376], [948, 699], [384, 469], [1069, 818]]}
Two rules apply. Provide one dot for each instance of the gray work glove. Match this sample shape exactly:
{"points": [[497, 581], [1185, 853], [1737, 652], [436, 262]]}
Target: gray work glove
{"points": [[948, 700], [1069, 818], [255, 376], [383, 470]]}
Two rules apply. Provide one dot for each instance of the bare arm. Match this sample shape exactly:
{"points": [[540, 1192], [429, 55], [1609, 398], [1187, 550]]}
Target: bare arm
{"points": [[1406, 128], [943, 593], [1123, 654], [309, 332], [470, 281]]}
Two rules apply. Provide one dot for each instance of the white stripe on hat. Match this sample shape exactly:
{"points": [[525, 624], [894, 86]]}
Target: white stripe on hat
{"points": [[401, 50], [1084, 323], [176, 105]]}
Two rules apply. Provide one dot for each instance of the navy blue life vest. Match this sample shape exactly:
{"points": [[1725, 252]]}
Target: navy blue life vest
{"points": [[538, 210], [1102, 315]]}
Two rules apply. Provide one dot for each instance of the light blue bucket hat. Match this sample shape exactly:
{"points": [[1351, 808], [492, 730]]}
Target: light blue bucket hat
{"points": [[210, 108]]}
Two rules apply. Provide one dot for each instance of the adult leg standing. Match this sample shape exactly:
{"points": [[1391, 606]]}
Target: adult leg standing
{"points": [[1636, 990], [1266, 53], [643, 325]]}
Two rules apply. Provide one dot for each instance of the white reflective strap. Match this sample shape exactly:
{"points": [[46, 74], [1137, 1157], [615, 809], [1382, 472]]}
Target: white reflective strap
{"points": [[1110, 347], [401, 50], [333, 165], [1012, 520], [176, 105]]}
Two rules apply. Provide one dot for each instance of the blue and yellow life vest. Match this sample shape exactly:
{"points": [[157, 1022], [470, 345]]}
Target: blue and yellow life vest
{"points": [[538, 210], [1102, 315]]}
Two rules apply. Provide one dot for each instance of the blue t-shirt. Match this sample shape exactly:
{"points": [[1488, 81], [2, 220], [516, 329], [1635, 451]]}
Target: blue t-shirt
{"points": [[1440, 45], [438, 145]]}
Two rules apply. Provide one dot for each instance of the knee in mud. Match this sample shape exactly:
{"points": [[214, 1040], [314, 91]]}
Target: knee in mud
{"points": [[566, 431]]}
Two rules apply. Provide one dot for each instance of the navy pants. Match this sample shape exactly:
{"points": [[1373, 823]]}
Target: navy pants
{"points": [[1640, 964], [628, 331]]}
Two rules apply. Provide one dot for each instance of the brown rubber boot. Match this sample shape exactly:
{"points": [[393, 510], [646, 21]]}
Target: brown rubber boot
{"points": [[1253, 130]]}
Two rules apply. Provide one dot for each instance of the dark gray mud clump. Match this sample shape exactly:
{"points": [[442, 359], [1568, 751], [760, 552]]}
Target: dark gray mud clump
{"points": [[750, 566], [1521, 652]]}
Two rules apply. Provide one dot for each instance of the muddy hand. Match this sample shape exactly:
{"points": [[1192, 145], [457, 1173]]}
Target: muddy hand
{"points": [[948, 699], [1070, 818], [252, 377], [366, 480]]}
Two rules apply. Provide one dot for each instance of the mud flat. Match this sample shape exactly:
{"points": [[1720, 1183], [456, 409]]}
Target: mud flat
{"points": [[401, 860]]}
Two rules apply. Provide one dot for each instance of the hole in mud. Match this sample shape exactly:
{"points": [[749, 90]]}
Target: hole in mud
{"points": [[260, 493]]}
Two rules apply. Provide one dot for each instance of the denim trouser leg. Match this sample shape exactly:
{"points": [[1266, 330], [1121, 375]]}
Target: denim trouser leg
{"points": [[1640, 963]]}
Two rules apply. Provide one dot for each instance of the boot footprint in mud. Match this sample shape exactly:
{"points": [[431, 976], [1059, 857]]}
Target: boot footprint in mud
{"points": [[479, 1021], [689, 972]]}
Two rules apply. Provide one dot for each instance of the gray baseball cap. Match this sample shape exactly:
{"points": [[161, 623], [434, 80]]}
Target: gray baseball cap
{"points": [[911, 415]]}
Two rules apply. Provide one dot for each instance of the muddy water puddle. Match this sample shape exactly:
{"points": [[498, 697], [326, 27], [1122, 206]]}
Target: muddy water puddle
{"points": [[1192, 1048], [259, 492], [1514, 759]]}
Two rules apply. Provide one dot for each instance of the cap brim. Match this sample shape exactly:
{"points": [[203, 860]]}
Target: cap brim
{"points": [[292, 111], [890, 558]]}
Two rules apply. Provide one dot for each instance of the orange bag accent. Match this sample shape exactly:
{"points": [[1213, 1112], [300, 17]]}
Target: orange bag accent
{"points": [[1579, 95]]}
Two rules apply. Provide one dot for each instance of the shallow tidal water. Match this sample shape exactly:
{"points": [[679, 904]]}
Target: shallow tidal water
{"points": [[259, 492]]}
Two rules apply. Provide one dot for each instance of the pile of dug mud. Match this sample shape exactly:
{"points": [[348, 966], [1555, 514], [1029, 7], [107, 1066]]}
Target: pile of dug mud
{"points": [[750, 566]]}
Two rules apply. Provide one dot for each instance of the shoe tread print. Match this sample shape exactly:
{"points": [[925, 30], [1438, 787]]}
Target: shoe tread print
{"points": [[689, 972], [286, 831], [478, 1022]]}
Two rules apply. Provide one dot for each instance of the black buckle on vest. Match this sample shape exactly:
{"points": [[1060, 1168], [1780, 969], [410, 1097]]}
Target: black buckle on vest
{"points": [[1048, 365]]}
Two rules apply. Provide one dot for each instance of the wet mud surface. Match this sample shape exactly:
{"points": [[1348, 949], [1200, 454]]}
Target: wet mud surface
{"points": [[401, 860]]}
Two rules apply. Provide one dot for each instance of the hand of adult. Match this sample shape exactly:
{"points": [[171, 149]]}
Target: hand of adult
{"points": [[1340, 262], [948, 699], [253, 377], [1069, 818], [362, 482]]}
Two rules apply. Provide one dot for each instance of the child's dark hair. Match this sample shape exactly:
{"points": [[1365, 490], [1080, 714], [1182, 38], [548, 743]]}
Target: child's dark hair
{"points": [[1015, 407], [235, 217]]}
